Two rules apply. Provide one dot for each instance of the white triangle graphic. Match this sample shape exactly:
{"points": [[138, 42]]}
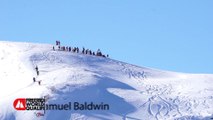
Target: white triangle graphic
{"points": [[19, 105]]}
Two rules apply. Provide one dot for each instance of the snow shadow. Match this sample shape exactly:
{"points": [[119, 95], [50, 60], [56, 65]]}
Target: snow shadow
{"points": [[96, 93]]}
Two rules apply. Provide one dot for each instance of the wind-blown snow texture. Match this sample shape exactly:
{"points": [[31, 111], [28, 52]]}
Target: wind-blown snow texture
{"points": [[133, 93]]}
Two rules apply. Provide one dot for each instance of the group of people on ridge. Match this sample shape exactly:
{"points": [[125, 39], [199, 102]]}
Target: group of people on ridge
{"points": [[77, 50]]}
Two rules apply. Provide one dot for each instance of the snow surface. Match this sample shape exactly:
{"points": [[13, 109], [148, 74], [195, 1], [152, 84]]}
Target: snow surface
{"points": [[133, 93]]}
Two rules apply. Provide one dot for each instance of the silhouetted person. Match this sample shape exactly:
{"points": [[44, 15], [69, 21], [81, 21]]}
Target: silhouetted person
{"points": [[57, 42], [83, 51], [77, 50], [74, 50], [39, 82], [34, 80], [86, 51], [53, 48], [98, 53], [36, 68], [37, 73]]}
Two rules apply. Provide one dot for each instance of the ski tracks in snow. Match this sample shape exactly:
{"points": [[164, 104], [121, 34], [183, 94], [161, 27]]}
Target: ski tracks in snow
{"points": [[157, 105], [163, 104], [129, 70]]}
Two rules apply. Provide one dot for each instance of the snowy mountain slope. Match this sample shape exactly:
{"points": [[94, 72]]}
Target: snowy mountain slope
{"points": [[132, 92]]}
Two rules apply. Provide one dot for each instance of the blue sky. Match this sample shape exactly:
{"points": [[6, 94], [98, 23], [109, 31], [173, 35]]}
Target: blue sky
{"points": [[164, 34]]}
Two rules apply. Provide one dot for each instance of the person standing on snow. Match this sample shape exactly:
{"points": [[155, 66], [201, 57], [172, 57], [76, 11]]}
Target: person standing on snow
{"points": [[39, 82], [36, 68], [37, 73]]}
